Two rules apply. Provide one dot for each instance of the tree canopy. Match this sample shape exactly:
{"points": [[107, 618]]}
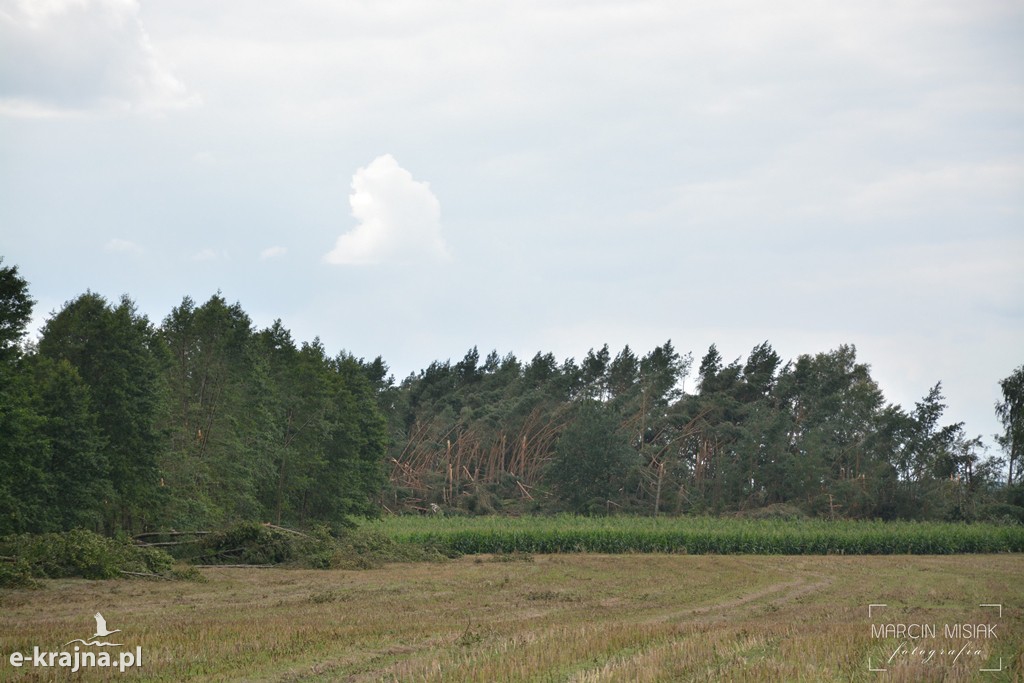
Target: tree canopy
{"points": [[111, 422]]}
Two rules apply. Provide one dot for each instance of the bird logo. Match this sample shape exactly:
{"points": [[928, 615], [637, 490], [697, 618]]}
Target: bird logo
{"points": [[101, 632]]}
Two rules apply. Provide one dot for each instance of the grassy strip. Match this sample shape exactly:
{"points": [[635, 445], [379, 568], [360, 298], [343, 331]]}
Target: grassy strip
{"points": [[562, 534]]}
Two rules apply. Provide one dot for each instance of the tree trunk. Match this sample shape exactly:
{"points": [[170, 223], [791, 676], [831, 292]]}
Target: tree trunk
{"points": [[657, 494]]}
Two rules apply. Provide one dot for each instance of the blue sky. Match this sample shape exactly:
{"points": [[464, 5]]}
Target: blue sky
{"points": [[411, 179]]}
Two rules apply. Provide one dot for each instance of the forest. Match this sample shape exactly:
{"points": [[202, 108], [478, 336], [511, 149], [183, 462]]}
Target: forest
{"points": [[112, 422]]}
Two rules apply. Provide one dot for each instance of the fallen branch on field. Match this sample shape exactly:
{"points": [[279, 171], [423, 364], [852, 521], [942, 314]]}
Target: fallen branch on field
{"points": [[164, 543], [281, 528], [147, 575], [172, 533]]}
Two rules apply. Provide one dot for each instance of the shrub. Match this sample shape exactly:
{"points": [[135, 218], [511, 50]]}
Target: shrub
{"points": [[252, 543], [1001, 513], [83, 554], [320, 548], [17, 574]]}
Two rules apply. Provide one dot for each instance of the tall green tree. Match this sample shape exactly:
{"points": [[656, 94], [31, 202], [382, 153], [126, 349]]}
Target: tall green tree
{"points": [[832, 402], [623, 372], [350, 472], [15, 312], [591, 460], [118, 356], [78, 472], [1011, 413], [594, 373], [25, 487], [302, 418], [218, 419], [715, 476]]}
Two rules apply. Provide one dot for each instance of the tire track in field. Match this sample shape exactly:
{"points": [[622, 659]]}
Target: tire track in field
{"points": [[642, 665], [611, 616], [804, 584]]}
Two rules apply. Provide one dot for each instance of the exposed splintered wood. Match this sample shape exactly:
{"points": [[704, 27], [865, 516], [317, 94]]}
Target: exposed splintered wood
{"points": [[470, 456], [171, 533], [165, 543], [281, 528]]}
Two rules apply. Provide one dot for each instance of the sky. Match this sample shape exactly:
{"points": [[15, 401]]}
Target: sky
{"points": [[411, 179]]}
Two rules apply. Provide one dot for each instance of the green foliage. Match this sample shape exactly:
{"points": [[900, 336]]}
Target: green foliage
{"points": [[698, 535], [779, 511], [116, 354], [77, 465], [202, 422], [252, 543], [24, 488], [262, 428], [814, 434], [26, 491], [15, 311], [220, 427], [113, 424], [591, 459], [349, 548], [17, 573], [1011, 413], [367, 548], [1001, 513], [83, 554]]}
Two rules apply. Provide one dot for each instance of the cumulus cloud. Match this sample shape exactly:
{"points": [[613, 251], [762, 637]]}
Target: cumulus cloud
{"points": [[61, 56], [399, 218], [272, 252]]}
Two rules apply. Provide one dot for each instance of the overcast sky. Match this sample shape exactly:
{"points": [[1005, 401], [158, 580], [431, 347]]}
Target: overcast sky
{"points": [[413, 178]]}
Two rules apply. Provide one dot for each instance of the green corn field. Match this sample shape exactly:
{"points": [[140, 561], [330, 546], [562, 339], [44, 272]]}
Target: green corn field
{"points": [[696, 535]]}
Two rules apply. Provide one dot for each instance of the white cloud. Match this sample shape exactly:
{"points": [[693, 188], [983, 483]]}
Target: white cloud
{"points": [[205, 158], [399, 218], [842, 156], [272, 252], [967, 185], [208, 255], [61, 56], [123, 246]]}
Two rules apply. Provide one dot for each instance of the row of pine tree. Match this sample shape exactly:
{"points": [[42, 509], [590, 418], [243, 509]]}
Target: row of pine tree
{"points": [[112, 422]]}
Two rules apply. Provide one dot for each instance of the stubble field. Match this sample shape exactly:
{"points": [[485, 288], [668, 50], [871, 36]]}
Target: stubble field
{"points": [[561, 617]]}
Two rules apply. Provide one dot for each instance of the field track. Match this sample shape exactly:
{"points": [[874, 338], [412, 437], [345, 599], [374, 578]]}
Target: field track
{"points": [[575, 617]]}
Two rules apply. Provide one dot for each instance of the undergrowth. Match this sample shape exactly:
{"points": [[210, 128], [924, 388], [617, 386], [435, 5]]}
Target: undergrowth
{"points": [[77, 553], [319, 548], [27, 558]]}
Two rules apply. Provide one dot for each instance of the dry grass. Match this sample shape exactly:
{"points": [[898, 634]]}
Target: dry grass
{"points": [[547, 618]]}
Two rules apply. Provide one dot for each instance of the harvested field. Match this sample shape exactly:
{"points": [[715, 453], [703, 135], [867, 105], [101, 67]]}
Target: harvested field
{"points": [[575, 617]]}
